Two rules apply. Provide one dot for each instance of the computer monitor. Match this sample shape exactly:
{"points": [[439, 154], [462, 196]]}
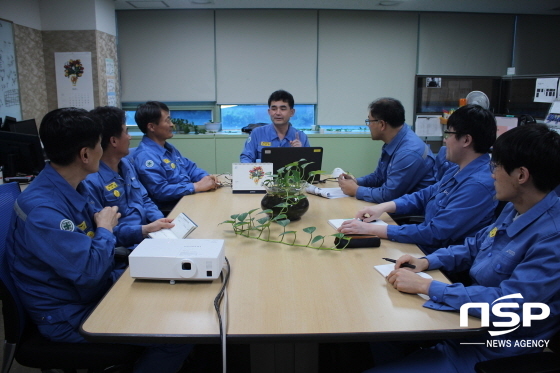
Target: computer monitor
{"points": [[505, 123], [280, 157], [20, 153], [7, 122], [28, 127]]}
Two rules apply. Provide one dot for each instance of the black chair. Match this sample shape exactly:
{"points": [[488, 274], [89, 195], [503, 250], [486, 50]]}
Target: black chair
{"points": [[22, 339], [541, 362]]}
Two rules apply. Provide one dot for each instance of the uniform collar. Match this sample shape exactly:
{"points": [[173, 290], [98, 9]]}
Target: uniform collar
{"points": [[106, 173], [532, 215], [75, 197], [393, 145], [154, 146], [474, 166], [271, 132]]}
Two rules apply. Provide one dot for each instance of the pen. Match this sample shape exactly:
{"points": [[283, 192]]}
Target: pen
{"points": [[402, 265]]}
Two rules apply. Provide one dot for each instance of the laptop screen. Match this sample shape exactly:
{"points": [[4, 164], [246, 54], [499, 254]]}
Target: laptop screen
{"points": [[280, 157]]}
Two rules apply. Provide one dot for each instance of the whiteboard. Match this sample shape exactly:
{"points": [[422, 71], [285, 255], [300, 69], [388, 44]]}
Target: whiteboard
{"points": [[9, 87]]}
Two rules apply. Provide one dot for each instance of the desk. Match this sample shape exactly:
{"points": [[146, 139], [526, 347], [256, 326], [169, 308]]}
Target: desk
{"points": [[277, 293]]}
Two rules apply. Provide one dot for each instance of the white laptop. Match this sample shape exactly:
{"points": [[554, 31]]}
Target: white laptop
{"points": [[249, 177]]}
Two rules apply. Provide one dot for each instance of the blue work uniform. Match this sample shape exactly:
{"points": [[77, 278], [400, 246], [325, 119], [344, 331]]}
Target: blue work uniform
{"points": [[123, 189], [61, 263], [406, 165], [455, 207], [516, 254], [266, 136], [164, 172]]}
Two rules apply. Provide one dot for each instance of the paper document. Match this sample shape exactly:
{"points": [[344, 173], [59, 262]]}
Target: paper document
{"points": [[336, 223], [427, 125], [183, 227], [385, 269], [326, 192]]}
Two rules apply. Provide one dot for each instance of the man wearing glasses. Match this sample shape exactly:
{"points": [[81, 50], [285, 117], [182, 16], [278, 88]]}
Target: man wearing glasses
{"points": [[516, 260], [458, 205], [406, 164], [165, 173]]}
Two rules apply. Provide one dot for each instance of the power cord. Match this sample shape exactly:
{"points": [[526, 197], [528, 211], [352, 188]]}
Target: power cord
{"points": [[222, 294]]}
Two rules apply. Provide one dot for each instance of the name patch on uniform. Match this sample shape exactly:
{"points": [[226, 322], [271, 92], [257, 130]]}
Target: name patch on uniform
{"points": [[82, 225], [111, 186], [493, 232], [167, 160], [67, 225], [149, 163], [265, 143]]}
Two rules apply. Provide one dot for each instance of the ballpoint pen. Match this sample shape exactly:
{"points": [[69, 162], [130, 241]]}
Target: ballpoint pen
{"points": [[402, 265]]}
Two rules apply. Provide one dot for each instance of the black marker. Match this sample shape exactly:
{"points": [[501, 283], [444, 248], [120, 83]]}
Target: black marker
{"points": [[402, 265]]}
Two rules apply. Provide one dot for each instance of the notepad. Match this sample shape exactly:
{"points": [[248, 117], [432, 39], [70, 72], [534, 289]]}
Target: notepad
{"points": [[336, 223], [183, 227], [385, 269]]}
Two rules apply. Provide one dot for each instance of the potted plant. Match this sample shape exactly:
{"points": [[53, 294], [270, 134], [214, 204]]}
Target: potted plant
{"points": [[285, 191]]}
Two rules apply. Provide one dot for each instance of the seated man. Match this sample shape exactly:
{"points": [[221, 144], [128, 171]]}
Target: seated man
{"points": [[458, 205], [406, 164], [517, 256], [61, 245], [278, 134], [165, 173], [116, 183]]}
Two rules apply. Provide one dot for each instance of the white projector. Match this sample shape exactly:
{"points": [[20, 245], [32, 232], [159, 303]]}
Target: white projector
{"points": [[177, 259]]}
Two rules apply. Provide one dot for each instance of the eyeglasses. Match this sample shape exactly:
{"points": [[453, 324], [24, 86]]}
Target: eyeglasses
{"points": [[369, 121], [493, 166], [446, 134]]}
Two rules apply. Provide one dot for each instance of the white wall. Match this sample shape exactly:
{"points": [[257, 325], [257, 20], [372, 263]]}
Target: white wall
{"points": [[67, 14], [21, 12], [105, 19]]}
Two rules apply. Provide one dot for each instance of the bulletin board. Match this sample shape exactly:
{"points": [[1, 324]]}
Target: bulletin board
{"points": [[9, 87]]}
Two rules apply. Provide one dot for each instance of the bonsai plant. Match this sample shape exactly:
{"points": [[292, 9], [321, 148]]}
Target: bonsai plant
{"points": [[284, 191]]}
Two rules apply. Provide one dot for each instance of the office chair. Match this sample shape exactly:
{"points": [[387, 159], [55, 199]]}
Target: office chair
{"points": [[540, 362], [22, 339]]}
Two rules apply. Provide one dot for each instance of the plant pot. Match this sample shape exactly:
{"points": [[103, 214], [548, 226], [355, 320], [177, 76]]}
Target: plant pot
{"points": [[274, 197]]}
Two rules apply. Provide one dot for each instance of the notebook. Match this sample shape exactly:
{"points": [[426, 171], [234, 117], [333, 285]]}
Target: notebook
{"points": [[249, 177], [280, 157], [183, 227]]}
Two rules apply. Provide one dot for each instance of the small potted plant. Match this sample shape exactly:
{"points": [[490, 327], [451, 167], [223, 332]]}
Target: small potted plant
{"points": [[285, 191]]}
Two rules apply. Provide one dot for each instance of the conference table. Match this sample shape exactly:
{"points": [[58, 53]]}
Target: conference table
{"points": [[282, 299]]}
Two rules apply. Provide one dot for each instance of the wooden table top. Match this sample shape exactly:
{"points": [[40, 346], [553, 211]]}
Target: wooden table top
{"points": [[276, 292]]}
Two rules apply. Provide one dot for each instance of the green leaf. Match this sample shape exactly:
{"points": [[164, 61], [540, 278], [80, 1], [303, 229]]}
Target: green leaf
{"points": [[227, 222], [267, 211], [284, 222], [317, 238], [234, 217], [251, 211], [283, 204], [280, 216], [282, 234], [263, 220], [242, 217], [309, 229], [339, 235]]}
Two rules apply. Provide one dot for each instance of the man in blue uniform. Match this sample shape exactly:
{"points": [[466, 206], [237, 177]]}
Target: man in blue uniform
{"points": [[517, 257], [406, 164], [278, 134], [61, 246], [458, 205], [165, 173], [116, 183]]}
